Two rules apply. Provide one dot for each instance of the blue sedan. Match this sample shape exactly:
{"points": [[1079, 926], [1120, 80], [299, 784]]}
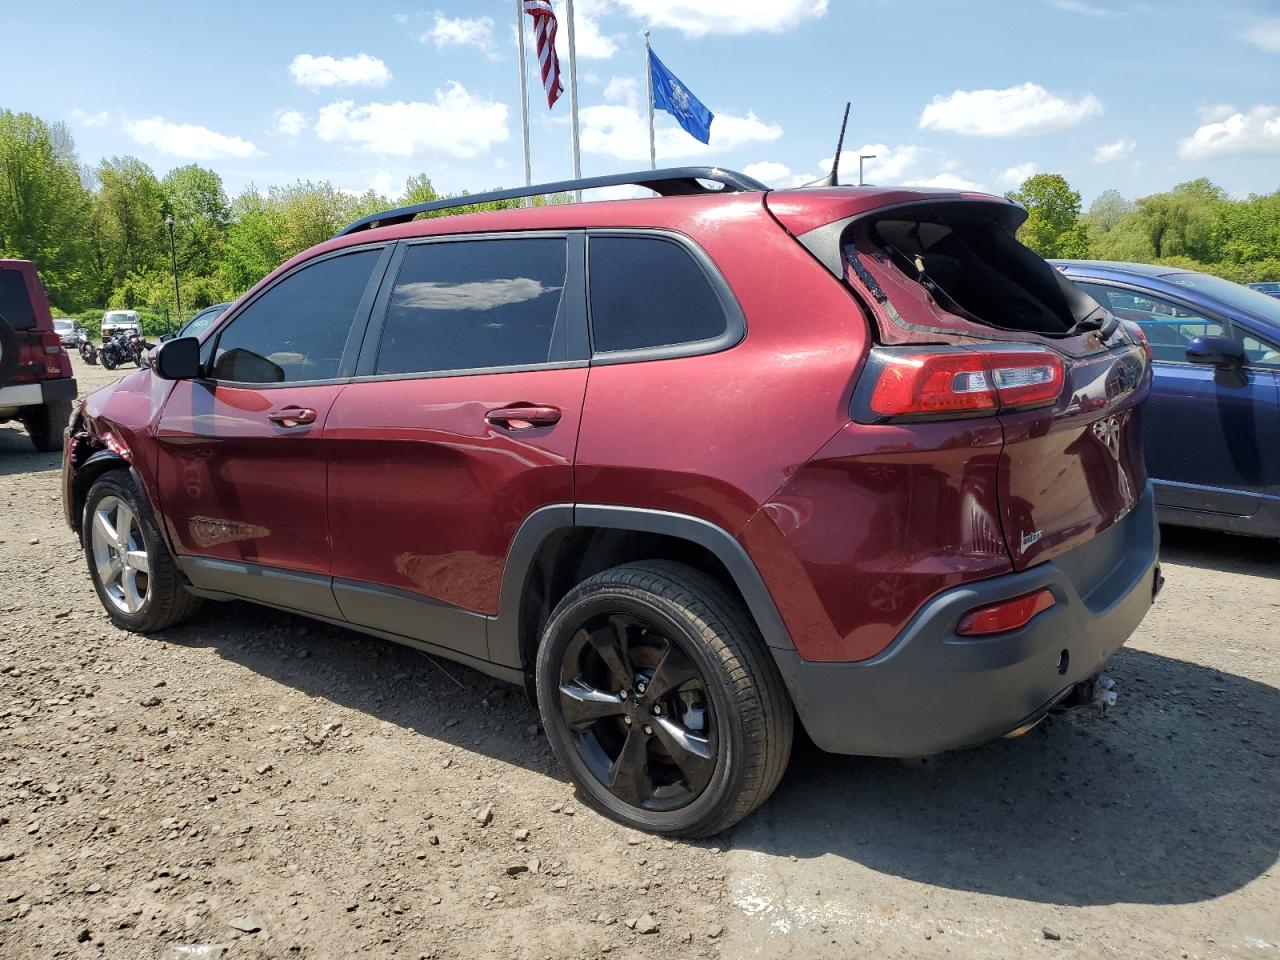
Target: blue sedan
{"points": [[1211, 430]]}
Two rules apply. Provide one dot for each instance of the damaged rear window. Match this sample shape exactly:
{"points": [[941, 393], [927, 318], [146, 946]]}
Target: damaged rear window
{"points": [[973, 267]]}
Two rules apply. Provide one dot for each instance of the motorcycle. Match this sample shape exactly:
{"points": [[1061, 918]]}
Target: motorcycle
{"points": [[122, 348], [88, 352]]}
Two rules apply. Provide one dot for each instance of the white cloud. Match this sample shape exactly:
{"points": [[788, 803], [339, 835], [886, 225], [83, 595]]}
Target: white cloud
{"points": [[1257, 131], [1116, 150], [1215, 111], [1016, 111], [362, 70], [696, 18], [86, 119], [771, 172], [400, 17], [1010, 178], [945, 181], [588, 41], [456, 124], [1265, 34], [622, 90], [289, 122], [623, 131], [462, 32], [188, 140], [1078, 6]]}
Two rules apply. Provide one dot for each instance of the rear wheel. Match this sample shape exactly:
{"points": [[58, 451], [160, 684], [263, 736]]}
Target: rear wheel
{"points": [[132, 570], [659, 696], [45, 424]]}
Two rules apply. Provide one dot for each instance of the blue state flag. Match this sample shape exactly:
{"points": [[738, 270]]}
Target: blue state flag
{"points": [[671, 95]]}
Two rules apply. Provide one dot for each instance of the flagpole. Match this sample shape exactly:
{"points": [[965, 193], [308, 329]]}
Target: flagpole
{"points": [[573, 98], [648, 82], [524, 96]]}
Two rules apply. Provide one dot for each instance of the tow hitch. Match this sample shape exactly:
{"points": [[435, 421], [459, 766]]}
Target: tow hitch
{"points": [[1097, 692]]}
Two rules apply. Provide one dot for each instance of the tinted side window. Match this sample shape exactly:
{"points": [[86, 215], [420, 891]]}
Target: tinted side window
{"points": [[298, 329], [649, 292], [468, 304], [15, 304], [1168, 326]]}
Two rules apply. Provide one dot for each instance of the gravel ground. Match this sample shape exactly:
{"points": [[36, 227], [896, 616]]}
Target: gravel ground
{"points": [[284, 788]]}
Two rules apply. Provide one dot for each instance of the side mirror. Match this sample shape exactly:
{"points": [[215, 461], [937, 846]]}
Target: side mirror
{"points": [[177, 359], [1216, 351], [166, 337]]}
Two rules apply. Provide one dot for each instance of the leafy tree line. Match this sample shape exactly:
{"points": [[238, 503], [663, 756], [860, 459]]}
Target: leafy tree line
{"points": [[1195, 225], [99, 234]]}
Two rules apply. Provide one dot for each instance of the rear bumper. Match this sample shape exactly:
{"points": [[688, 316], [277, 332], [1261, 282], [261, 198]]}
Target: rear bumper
{"points": [[932, 690], [37, 394]]}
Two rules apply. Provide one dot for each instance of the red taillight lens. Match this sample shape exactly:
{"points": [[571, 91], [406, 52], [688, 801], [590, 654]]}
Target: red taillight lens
{"points": [[965, 381], [1006, 615]]}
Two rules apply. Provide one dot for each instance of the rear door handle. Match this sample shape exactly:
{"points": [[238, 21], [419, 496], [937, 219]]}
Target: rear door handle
{"points": [[522, 416], [292, 416]]}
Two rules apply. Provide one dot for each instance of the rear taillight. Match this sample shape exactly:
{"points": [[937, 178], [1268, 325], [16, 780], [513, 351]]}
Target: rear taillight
{"points": [[963, 382], [1004, 616], [1140, 336]]}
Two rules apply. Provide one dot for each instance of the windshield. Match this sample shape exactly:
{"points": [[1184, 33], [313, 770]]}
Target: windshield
{"points": [[1235, 295], [63, 326], [201, 321]]}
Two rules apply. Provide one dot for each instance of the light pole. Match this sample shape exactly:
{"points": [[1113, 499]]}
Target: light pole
{"points": [[173, 255], [861, 157]]}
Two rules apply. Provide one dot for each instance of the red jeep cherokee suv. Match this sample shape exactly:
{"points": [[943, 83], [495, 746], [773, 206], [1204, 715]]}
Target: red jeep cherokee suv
{"points": [[689, 467], [36, 386]]}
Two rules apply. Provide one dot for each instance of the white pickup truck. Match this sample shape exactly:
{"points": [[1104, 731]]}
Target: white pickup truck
{"points": [[113, 321]]}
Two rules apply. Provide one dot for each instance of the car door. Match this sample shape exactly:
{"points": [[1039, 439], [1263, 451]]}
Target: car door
{"points": [[1209, 436], [241, 465], [461, 422]]}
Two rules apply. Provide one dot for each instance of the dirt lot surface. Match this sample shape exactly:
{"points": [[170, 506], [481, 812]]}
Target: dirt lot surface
{"points": [[284, 788]]}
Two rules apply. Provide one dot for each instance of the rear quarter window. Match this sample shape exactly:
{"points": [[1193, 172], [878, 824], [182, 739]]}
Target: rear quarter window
{"points": [[650, 293], [15, 301]]}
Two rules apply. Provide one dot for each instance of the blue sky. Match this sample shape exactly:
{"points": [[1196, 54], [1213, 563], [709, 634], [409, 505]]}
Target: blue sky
{"points": [[1126, 94]]}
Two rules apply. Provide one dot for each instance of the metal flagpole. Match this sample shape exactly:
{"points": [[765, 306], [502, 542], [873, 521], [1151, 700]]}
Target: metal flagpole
{"points": [[648, 81], [573, 98], [524, 96]]}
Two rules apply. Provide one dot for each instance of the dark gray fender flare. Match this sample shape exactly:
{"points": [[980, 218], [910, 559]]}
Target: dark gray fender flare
{"points": [[504, 630]]}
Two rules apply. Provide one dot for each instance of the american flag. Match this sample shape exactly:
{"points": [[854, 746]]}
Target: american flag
{"points": [[544, 28]]}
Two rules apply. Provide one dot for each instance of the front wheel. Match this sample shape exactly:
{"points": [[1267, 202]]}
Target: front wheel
{"points": [[132, 570], [660, 698], [108, 361]]}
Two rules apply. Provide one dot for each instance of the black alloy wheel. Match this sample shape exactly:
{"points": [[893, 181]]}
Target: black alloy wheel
{"points": [[639, 712], [659, 696]]}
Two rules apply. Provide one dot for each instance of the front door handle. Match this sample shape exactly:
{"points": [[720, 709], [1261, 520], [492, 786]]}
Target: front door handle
{"points": [[522, 416], [292, 416]]}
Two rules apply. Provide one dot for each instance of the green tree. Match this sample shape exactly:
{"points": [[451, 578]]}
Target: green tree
{"points": [[202, 216], [128, 230], [1052, 227], [44, 207], [252, 248], [1108, 209], [1182, 222]]}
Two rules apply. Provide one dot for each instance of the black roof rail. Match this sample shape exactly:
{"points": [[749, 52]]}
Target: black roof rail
{"points": [[671, 182]]}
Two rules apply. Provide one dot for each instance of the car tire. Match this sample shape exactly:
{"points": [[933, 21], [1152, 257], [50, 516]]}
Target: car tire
{"points": [[689, 759], [45, 424], [8, 353], [161, 600]]}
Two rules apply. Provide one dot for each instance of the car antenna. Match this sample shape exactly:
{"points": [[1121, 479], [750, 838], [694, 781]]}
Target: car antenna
{"points": [[832, 179]]}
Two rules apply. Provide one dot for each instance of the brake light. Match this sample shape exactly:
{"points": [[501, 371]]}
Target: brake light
{"points": [[962, 381], [1006, 615]]}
